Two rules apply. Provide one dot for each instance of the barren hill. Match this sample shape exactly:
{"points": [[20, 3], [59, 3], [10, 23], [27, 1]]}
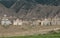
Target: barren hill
{"points": [[32, 9], [5, 10]]}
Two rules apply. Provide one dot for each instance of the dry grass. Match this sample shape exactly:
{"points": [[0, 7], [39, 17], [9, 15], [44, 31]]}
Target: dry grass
{"points": [[25, 30]]}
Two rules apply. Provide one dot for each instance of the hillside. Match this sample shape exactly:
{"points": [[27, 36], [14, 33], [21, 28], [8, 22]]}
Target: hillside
{"points": [[5, 10], [32, 8]]}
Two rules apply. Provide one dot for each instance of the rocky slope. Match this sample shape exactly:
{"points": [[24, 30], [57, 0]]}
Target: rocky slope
{"points": [[4, 10], [33, 9]]}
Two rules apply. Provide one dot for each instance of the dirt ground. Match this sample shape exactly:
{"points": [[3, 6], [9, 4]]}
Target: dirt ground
{"points": [[26, 30]]}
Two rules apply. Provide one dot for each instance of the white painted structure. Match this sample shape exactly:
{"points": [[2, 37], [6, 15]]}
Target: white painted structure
{"points": [[45, 22], [17, 22], [5, 21], [55, 21]]}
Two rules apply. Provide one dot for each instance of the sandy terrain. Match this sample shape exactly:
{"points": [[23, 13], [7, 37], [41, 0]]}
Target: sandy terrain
{"points": [[26, 30]]}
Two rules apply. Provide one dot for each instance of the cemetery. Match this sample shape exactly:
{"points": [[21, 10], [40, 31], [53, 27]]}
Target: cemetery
{"points": [[16, 21]]}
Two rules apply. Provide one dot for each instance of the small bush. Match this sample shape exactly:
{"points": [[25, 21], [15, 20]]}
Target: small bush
{"points": [[52, 32]]}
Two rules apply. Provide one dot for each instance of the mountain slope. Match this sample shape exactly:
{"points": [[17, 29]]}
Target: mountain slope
{"points": [[32, 9], [4, 10], [40, 11]]}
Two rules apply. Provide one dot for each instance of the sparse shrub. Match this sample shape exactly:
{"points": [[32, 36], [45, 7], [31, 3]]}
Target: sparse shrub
{"points": [[39, 34], [52, 32]]}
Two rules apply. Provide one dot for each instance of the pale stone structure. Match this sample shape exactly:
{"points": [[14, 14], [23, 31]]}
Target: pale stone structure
{"points": [[5, 21], [36, 22], [17, 22], [45, 22], [55, 21]]}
